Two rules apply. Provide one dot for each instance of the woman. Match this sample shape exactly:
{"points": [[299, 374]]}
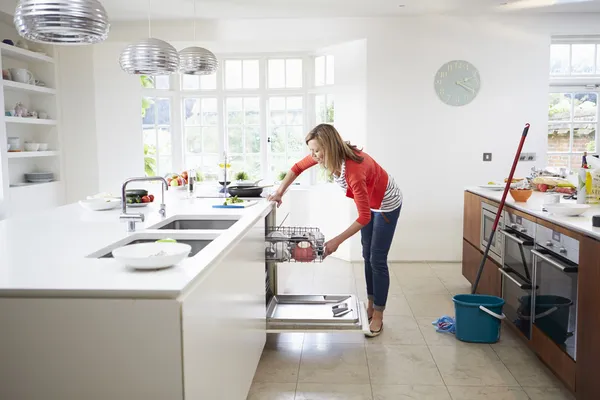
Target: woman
{"points": [[378, 200]]}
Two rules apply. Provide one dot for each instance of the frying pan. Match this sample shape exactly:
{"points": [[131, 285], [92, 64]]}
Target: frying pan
{"points": [[246, 191]]}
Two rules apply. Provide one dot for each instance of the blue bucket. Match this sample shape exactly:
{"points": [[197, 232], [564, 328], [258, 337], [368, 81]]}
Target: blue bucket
{"points": [[478, 318]]}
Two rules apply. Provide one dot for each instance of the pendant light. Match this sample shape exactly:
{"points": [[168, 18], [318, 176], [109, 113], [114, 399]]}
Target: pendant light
{"points": [[66, 22], [197, 60], [150, 56]]}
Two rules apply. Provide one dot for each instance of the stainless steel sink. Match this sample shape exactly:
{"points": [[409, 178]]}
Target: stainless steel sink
{"points": [[197, 245], [183, 224]]}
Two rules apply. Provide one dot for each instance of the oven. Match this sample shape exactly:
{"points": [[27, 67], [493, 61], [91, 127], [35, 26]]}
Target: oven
{"points": [[517, 270], [556, 259], [488, 216]]}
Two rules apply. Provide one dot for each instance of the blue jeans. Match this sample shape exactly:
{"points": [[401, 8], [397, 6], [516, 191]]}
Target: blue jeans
{"points": [[376, 239]]}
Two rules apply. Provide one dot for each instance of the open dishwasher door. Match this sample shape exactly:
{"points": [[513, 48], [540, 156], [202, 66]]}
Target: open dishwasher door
{"points": [[305, 313]]}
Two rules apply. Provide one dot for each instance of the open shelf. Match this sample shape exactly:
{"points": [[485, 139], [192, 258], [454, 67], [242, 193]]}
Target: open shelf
{"points": [[17, 53], [23, 87], [32, 154], [28, 185], [31, 121]]}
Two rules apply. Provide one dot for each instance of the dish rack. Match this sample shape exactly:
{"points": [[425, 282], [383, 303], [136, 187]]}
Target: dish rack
{"points": [[294, 244]]}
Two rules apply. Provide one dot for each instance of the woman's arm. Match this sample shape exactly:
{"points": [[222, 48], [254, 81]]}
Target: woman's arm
{"points": [[290, 177]]}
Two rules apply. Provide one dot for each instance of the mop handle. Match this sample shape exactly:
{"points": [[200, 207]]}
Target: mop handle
{"points": [[510, 177]]}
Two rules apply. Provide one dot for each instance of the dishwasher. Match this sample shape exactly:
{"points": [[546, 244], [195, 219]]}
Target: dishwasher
{"points": [[310, 312]]}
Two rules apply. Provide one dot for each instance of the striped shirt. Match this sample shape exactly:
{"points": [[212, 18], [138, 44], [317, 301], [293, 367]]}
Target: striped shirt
{"points": [[392, 198]]}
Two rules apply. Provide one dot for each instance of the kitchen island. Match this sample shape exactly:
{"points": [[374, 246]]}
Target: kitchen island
{"points": [[76, 325], [552, 262]]}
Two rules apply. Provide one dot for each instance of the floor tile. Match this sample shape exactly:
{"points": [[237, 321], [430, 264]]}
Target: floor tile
{"points": [[272, 391], [334, 363], [398, 330], [274, 339], [526, 367], [279, 363], [430, 305], [316, 391], [327, 337], [408, 392], [487, 393], [548, 393], [446, 269], [471, 365], [428, 285], [397, 305], [433, 337], [412, 270], [402, 365]]}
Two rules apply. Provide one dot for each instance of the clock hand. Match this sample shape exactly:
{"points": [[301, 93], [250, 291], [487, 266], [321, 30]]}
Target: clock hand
{"points": [[459, 83]]}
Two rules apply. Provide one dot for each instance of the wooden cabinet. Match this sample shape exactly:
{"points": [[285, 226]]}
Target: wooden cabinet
{"points": [[472, 219], [490, 282], [561, 364], [588, 320]]}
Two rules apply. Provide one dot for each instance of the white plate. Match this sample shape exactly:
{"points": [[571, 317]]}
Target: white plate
{"points": [[152, 255], [99, 204], [493, 187], [567, 210]]}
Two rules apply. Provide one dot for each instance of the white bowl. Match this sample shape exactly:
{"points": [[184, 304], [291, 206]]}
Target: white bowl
{"points": [[32, 146], [152, 255], [567, 210], [99, 204], [43, 147]]}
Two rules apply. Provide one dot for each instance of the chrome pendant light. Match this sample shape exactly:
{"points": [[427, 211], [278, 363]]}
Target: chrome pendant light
{"points": [[197, 60], [66, 22], [150, 56]]}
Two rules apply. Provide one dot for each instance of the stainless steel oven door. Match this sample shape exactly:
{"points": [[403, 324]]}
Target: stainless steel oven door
{"points": [[516, 255], [488, 216], [555, 299], [517, 297]]}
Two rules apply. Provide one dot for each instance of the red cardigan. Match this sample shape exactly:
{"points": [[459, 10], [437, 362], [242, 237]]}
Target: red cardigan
{"points": [[367, 183]]}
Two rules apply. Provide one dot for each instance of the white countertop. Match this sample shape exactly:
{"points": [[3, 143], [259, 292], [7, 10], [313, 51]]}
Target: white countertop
{"points": [[47, 254], [533, 206]]}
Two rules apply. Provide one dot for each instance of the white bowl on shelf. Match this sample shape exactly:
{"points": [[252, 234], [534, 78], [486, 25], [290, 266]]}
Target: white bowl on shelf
{"points": [[152, 255], [567, 210], [32, 146]]}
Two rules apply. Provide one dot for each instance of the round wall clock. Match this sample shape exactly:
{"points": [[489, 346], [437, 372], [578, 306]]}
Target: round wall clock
{"points": [[457, 83]]}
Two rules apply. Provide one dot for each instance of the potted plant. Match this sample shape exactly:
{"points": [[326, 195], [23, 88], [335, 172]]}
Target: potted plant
{"points": [[241, 177]]}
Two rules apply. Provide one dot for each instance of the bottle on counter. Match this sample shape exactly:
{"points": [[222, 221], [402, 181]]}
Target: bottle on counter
{"points": [[191, 182]]}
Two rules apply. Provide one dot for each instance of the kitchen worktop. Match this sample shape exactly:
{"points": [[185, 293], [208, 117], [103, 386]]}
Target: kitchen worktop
{"points": [[47, 254], [533, 206]]}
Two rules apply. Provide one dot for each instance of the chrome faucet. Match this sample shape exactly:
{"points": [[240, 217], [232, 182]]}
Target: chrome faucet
{"points": [[139, 217]]}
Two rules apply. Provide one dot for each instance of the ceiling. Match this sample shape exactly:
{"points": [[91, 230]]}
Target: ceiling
{"points": [[133, 10]]}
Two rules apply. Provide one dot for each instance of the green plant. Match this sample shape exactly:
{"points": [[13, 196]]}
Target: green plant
{"points": [[591, 146], [149, 160], [147, 82], [281, 176], [146, 104], [199, 176], [241, 176]]}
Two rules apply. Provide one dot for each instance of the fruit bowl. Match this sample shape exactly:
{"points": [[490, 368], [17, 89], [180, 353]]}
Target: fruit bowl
{"points": [[521, 195]]}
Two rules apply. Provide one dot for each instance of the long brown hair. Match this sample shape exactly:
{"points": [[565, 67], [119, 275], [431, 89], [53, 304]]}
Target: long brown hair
{"points": [[335, 149]]}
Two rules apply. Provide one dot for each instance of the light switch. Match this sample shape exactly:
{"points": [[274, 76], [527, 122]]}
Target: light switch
{"points": [[487, 157]]}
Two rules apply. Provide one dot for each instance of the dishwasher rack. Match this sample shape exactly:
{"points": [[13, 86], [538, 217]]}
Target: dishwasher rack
{"points": [[294, 244]]}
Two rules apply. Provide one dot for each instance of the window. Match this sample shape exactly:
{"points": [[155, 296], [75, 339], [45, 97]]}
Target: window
{"points": [[243, 135], [242, 74], [324, 101], [285, 73], [201, 133], [324, 109], [324, 70], [286, 132], [156, 127], [572, 105]]}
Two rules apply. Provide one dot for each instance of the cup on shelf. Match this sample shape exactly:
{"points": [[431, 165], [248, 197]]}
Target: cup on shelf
{"points": [[32, 146], [21, 75]]}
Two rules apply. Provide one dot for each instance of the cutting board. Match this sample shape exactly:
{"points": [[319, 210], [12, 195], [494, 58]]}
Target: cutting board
{"points": [[245, 204]]}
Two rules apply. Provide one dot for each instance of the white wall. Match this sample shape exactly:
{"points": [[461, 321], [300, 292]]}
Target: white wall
{"points": [[432, 150]]}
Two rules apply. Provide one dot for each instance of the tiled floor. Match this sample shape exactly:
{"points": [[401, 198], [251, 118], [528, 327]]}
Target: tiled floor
{"points": [[410, 360]]}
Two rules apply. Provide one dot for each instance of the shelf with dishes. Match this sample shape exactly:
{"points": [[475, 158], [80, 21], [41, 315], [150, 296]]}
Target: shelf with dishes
{"points": [[9, 119], [32, 154], [26, 55], [26, 87]]}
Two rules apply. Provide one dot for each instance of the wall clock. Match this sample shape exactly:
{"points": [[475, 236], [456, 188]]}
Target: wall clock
{"points": [[457, 83]]}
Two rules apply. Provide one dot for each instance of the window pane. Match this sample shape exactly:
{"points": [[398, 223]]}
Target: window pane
{"points": [[165, 165], [209, 112], [164, 142], [253, 167], [320, 109], [162, 82], [276, 74], [237, 165], [252, 110], [277, 110], [278, 165], [584, 138], [582, 59], [163, 109], [210, 168], [330, 70], [210, 141], [330, 115], [191, 110], [559, 107], [208, 82], [251, 74], [192, 161], [294, 111], [559, 59], [190, 82], [233, 74], [235, 115], [148, 111], [586, 107], [234, 135], [557, 160], [559, 137], [252, 139], [278, 140], [150, 164], [295, 139], [293, 73], [320, 71], [193, 139], [147, 82]]}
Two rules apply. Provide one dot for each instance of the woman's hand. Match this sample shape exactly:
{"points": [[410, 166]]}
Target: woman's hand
{"points": [[276, 197], [332, 246]]}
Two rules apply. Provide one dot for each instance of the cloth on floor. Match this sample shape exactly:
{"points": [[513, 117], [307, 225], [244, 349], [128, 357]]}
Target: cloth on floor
{"points": [[445, 324]]}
